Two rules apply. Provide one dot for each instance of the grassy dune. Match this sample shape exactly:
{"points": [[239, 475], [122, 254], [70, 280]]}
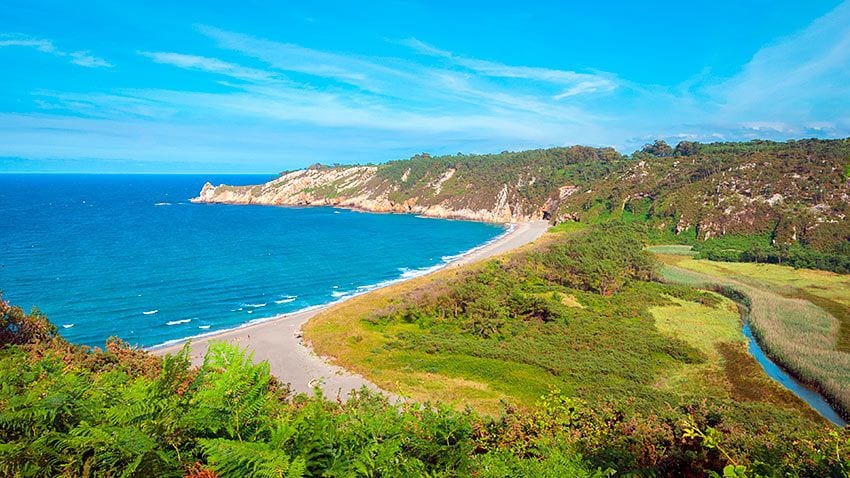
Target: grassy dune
{"points": [[787, 316]]}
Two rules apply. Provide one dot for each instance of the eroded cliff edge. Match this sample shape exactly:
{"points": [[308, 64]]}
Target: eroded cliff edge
{"points": [[442, 190], [793, 192]]}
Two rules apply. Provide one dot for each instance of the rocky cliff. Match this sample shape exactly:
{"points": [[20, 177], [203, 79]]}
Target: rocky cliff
{"points": [[359, 188], [509, 187], [798, 191]]}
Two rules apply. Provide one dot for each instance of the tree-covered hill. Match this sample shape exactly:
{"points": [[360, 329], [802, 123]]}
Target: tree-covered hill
{"points": [[503, 187], [794, 192]]}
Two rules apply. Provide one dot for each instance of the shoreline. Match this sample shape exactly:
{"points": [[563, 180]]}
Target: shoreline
{"points": [[277, 339], [453, 260], [423, 212]]}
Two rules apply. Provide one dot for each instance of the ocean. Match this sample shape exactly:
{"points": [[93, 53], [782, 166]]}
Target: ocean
{"points": [[130, 256]]}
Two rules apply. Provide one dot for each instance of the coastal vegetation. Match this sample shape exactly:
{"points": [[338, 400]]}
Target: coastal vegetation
{"points": [[531, 177], [801, 317], [761, 248], [68, 410], [504, 333], [584, 354], [756, 201], [567, 375]]}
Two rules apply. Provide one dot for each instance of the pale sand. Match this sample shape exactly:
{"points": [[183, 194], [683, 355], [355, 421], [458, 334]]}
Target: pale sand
{"points": [[278, 340]]}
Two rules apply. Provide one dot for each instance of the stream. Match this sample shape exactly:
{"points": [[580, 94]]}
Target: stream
{"points": [[774, 371]]}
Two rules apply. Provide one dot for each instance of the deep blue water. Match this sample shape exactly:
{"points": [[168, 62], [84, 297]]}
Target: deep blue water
{"points": [[128, 255]]}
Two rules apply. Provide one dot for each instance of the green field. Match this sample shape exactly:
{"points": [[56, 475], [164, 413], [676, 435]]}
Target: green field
{"points": [[502, 335], [800, 316]]}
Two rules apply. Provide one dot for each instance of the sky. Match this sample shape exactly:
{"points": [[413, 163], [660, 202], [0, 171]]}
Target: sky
{"points": [[261, 87]]}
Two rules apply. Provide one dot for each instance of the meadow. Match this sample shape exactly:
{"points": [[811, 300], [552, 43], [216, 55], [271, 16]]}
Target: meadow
{"points": [[799, 316], [563, 315]]}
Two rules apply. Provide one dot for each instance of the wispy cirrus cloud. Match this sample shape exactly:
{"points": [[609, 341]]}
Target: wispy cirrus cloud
{"points": [[573, 83], [794, 84], [260, 99], [80, 57], [302, 85], [295, 58], [85, 58], [211, 65], [44, 46], [395, 82]]}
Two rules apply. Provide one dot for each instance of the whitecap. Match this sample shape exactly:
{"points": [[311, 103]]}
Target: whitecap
{"points": [[256, 306], [162, 204], [250, 311], [178, 322], [287, 299], [150, 312], [453, 258], [337, 294], [67, 326], [205, 327]]}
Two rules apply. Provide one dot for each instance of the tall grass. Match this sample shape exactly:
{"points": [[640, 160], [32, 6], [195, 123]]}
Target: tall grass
{"points": [[795, 333]]}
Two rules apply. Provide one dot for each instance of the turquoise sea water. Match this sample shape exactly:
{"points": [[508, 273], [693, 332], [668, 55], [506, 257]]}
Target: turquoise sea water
{"points": [[128, 255]]}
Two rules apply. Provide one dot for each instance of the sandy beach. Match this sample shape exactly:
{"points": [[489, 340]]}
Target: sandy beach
{"points": [[278, 340]]}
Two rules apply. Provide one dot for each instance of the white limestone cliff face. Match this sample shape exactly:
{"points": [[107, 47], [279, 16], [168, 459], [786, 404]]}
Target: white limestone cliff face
{"points": [[359, 187]]}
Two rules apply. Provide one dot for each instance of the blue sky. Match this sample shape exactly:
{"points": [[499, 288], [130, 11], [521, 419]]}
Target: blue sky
{"points": [[253, 87]]}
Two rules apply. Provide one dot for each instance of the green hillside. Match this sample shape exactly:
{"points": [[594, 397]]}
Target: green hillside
{"points": [[793, 193], [534, 177]]}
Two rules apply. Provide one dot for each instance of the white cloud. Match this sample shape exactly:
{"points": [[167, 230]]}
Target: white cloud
{"points": [[85, 58], [390, 94], [212, 65], [290, 105], [45, 46], [295, 58], [574, 82], [81, 58], [799, 79]]}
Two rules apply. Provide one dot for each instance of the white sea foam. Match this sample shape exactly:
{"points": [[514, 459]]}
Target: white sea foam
{"points": [[178, 322], [256, 306], [150, 312], [204, 327], [67, 326], [343, 296], [162, 204], [287, 299]]}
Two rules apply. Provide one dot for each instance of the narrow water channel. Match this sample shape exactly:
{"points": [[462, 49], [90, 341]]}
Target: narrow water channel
{"points": [[774, 371]]}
